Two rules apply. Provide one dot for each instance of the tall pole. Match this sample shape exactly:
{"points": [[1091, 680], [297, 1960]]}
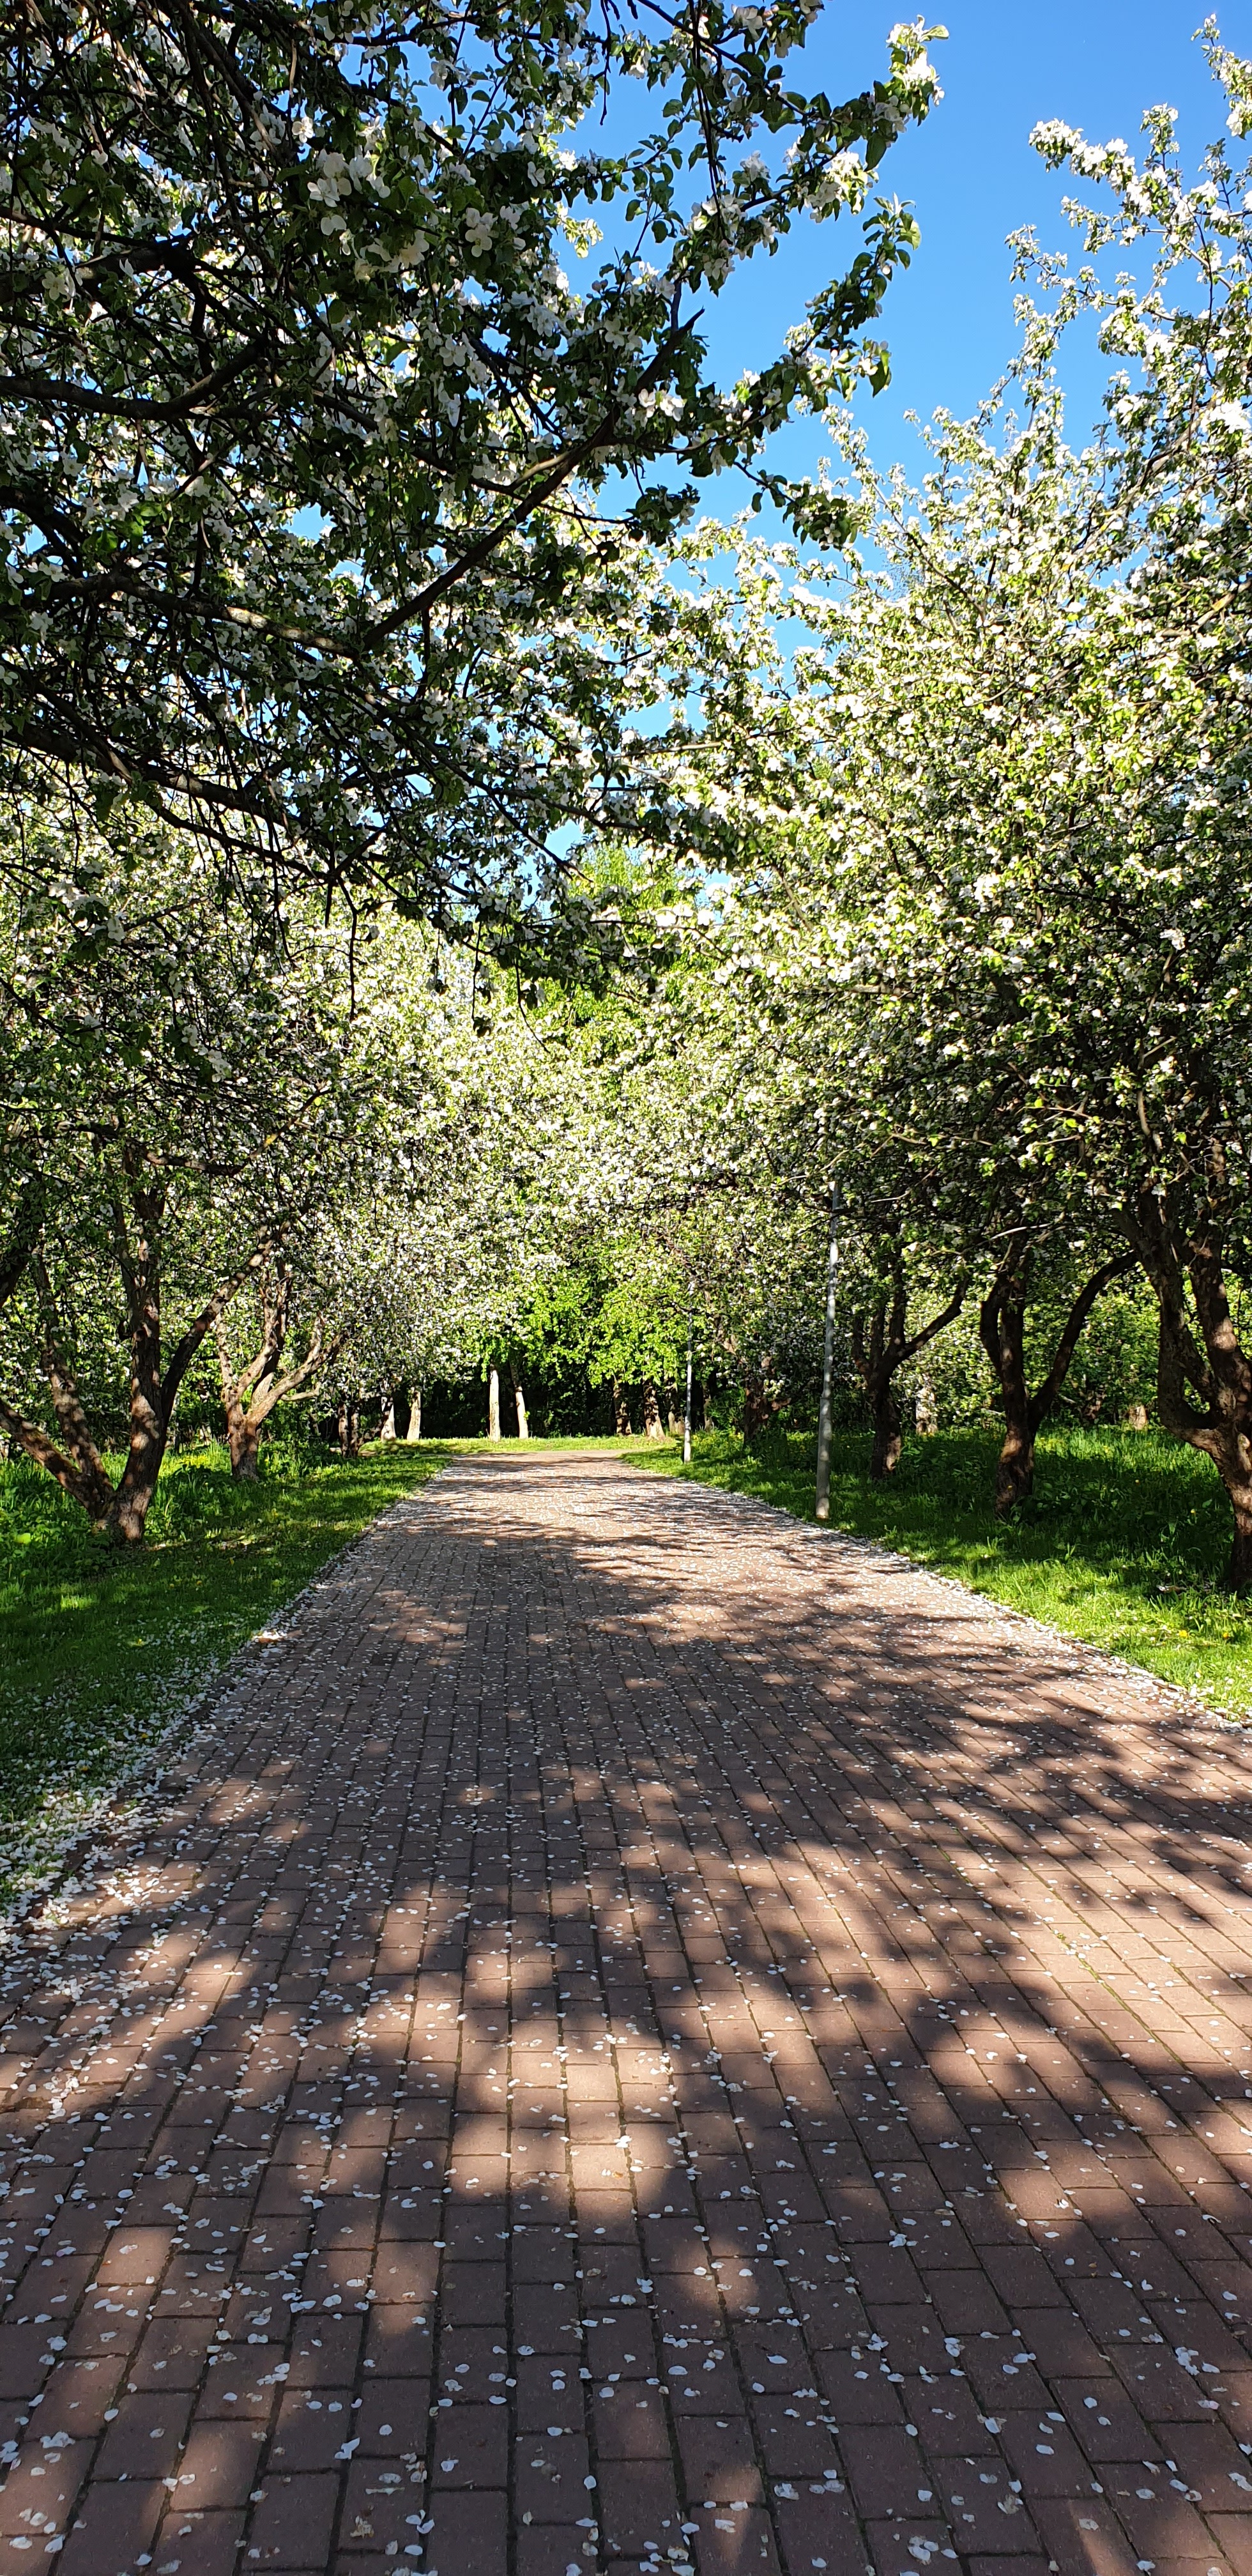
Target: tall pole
{"points": [[687, 1406], [828, 1364]]}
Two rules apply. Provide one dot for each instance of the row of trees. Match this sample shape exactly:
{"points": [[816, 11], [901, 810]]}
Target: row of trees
{"points": [[326, 503], [988, 935], [937, 915]]}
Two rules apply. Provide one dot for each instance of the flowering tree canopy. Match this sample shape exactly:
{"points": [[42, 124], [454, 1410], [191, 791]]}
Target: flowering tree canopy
{"points": [[303, 426]]}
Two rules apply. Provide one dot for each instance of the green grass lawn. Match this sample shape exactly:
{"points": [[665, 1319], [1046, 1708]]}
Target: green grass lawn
{"points": [[99, 1646], [1123, 1545]]}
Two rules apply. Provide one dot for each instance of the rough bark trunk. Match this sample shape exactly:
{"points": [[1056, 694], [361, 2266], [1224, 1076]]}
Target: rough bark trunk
{"points": [[621, 1410], [245, 1450], [87, 1486], [493, 1404], [1015, 1466], [387, 1426], [414, 1431], [652, 1423]]}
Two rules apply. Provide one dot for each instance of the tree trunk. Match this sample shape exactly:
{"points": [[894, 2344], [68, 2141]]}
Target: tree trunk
{"points": [[621, 1410], [756, 1408], [1002, 1331], [493, 1404], [250, 1394], [653, 1427], [414, 1431], [354, 1430], [127, 1515], [387, 1426], [244, 1438], [150, 1411], [1239, 1570], [881, 1351], [78, 1468], [519, 1398], [1015, 1467], [926, 1410], [885, 1453]]}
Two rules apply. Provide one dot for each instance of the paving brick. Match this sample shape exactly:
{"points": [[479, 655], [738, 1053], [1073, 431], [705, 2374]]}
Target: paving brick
{"points": [[113, 2526], [623, 1932]]}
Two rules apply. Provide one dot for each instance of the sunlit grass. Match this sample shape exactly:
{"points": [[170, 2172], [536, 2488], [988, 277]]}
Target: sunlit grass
{"points": [[1123, 1545], [99, 1645]]}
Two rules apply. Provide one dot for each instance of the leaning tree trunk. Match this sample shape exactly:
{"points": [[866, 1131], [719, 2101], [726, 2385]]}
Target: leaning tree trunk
{"points": [[252, 1393], [493, 1404], [414, 1431], [121, 1512]]}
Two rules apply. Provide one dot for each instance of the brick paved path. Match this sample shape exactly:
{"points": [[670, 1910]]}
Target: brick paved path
{"points": [[642, 2038]]}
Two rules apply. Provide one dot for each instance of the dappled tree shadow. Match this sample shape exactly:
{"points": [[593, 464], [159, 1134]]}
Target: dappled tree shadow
{"points": [[649, 2037]]}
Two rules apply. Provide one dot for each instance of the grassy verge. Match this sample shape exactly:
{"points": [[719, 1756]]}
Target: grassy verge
{"points": [[99, 1647], [1122, 1547]]}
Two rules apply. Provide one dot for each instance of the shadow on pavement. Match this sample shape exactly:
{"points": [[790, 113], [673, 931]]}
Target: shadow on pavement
{"points": [[642, 2038]]}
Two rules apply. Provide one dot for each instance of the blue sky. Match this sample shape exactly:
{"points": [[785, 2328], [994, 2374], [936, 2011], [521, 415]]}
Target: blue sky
{"points": [[972, 178]]}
